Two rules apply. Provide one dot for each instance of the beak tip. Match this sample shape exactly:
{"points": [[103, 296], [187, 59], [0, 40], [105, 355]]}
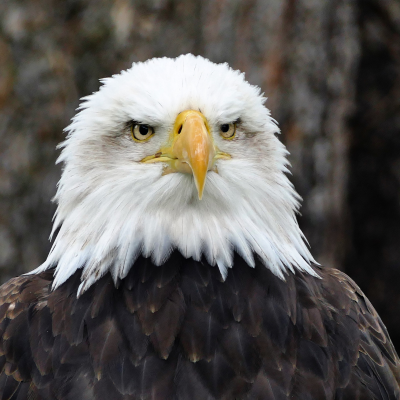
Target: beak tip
{"points": [[200, 181], [200, 191]]}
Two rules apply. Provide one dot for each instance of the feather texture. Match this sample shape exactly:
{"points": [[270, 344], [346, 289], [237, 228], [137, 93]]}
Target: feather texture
{"points": [[113, 208], [179, 331]]}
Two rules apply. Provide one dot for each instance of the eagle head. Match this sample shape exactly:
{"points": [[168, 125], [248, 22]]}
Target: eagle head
{"points": [[174, 154]]}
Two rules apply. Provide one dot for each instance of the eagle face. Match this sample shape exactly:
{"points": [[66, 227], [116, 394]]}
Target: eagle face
{"points": [[174, 154]]}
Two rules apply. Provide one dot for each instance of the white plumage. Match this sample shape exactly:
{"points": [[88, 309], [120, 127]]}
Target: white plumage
{"points": [[111, 207]]}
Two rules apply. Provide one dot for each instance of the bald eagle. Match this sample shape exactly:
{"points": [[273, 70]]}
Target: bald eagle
{"points": [[178, 270]]}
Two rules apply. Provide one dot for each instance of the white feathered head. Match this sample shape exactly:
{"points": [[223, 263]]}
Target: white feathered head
{"points": [[174, 154]]}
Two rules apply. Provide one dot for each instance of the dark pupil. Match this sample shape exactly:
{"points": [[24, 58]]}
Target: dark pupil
{"points": [[143, 130], [225, 128]]}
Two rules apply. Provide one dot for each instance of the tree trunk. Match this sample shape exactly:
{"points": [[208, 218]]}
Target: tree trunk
{"points": [[373, 259], [329, 67]]}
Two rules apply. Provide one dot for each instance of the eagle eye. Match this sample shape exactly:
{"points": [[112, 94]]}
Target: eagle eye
{"points": [[141, 132], [228, 131]]}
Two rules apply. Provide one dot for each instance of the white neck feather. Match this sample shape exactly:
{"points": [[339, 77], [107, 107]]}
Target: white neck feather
{"points": [[112, 209]]}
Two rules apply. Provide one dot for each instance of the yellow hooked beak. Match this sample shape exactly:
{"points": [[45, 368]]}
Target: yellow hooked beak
{"points": [[190, 149]]}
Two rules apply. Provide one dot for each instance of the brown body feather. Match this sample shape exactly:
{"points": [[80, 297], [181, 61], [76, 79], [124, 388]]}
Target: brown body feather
{"points": [[179, 332]]}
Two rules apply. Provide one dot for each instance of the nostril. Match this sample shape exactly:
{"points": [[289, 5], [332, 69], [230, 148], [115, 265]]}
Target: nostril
{"points": [[180, 129]]}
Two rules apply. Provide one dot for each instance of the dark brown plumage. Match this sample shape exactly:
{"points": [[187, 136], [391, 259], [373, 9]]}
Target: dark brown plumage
{"points": [[180, 332]]}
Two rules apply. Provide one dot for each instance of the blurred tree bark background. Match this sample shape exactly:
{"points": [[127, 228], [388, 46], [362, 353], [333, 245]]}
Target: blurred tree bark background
{"points": [[331, 71]]}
